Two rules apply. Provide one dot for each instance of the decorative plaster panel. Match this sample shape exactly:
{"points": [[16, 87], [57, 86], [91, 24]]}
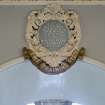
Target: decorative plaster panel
{"points": [[53, 36]]}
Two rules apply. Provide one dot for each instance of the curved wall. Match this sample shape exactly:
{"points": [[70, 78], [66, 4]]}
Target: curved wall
{"points": [[23, 83]]}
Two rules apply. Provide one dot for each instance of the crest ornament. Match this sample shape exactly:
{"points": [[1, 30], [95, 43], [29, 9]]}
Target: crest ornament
{"points": [[53, 36]]}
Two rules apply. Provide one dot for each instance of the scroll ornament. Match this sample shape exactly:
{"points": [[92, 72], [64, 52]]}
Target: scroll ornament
{"points": [[53, 36]]}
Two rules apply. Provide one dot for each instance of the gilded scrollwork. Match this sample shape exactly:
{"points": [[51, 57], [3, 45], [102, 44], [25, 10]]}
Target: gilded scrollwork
{"points": [[46, 68], [54, 54]]}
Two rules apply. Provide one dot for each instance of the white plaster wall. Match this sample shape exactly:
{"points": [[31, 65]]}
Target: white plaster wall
{"points": [[13, 24], [22, 84]]}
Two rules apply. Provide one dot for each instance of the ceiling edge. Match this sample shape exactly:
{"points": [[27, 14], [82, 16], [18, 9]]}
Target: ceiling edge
{"points": [[44, 2]]}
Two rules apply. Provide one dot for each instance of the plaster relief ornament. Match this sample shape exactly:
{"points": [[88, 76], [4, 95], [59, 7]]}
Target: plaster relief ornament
{"points": [[53, 36]]}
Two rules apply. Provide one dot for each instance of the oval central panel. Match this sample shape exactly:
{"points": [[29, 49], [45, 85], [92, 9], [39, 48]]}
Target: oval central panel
{"points": [[53, 35]]}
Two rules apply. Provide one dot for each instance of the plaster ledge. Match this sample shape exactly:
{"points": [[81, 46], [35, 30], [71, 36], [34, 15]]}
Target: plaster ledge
{"points": [[44, 2]]}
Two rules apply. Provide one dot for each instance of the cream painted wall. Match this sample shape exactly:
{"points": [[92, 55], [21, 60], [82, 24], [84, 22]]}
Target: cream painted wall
{"points": [[13, 24]]}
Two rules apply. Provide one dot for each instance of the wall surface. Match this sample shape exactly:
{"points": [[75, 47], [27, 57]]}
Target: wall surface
{"points": [[22, 84], [13, 27]]}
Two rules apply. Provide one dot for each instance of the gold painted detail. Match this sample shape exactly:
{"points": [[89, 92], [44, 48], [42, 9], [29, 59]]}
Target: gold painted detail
{"points": [[46, 68], [56, 61]]}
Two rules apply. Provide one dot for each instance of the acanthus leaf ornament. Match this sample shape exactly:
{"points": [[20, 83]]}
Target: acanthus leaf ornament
{"points": [[53, 36]]}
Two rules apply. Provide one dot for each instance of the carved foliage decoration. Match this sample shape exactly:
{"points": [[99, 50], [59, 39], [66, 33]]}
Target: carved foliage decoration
{"points": [[53, 35]]}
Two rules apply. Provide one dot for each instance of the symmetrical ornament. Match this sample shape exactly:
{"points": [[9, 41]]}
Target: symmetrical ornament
{"points": [[53, 36]]}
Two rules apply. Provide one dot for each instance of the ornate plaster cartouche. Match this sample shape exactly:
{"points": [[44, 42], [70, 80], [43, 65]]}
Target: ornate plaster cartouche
{"points": [[53, 36]]}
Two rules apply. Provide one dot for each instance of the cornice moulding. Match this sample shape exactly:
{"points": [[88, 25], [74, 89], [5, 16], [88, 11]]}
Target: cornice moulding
{"points": [[44, 2]]}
